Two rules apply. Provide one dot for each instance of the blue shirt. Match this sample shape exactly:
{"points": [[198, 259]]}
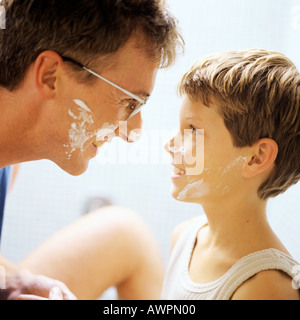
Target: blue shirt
{"points": [[4, 179]]}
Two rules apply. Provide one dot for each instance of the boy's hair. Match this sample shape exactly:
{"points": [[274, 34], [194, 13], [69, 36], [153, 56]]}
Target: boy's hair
{"points": [[82, 30], [258, 94]]}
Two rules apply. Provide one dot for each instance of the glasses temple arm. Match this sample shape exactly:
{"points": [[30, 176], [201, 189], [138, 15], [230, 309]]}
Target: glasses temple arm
{"points": [[114, 85]]}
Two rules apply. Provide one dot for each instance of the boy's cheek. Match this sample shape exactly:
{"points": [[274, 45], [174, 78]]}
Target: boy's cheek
{"points": [[194, 153]]}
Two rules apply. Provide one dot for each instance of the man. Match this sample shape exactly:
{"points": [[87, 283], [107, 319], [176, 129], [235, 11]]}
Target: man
{"points": [[71, 71]]}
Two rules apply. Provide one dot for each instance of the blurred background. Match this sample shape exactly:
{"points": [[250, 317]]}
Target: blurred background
{"points": [[45, 199]]}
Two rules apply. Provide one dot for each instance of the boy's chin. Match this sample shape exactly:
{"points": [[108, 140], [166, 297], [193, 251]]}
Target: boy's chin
{"points": [[175, 193], [180, 195]]}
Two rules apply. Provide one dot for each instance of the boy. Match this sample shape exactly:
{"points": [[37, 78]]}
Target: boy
{"points": [[247, 103]]}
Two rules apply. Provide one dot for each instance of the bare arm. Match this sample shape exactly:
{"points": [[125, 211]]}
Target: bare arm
{"points": [[18, 283], [111, 246]]}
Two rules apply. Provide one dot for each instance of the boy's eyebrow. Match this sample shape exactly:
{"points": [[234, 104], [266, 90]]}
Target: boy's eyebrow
{"points": [[196, 120]]}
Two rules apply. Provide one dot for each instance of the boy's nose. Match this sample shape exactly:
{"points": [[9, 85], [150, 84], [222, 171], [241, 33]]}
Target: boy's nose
{"points": [[168, 145]]}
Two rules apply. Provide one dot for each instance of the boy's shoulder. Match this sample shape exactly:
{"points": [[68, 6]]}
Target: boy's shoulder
{"points": [[179, 229], [267, 285]]}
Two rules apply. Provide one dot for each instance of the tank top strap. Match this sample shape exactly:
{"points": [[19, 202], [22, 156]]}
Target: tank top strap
{"points": [[185, 243], [251, 264]]}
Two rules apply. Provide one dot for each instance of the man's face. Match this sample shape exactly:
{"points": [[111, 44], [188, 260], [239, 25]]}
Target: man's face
{"points": [[87, 115]]}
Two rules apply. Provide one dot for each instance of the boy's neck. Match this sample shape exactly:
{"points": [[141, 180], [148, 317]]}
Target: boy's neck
{"points": [[239, 225]]}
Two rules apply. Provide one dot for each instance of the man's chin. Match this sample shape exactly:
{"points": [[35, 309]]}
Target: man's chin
{"points": [[74, 168]]}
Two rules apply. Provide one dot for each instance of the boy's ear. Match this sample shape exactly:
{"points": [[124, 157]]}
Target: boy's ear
{"points": [[263, 155], [45, 73]]}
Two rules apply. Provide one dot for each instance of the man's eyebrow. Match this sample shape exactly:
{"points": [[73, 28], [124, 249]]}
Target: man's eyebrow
{"points": [[141, 94]]}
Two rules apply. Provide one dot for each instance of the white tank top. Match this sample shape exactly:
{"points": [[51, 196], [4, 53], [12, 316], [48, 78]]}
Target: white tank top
{"points": [[178, 285]]}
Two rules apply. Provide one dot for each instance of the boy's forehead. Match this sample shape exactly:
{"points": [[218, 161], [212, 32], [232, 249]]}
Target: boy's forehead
{"points": [[196, 110], [196, 113]]}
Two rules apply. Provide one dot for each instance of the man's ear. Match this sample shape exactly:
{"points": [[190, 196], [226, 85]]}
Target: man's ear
{"points": [[262, 157], [45, 73]]}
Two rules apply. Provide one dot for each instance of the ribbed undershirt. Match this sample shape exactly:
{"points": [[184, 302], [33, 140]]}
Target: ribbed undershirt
{"points": [[179, 286]]}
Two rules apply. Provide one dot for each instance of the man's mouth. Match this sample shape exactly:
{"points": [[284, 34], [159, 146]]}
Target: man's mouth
{"points": [[98, 144]]}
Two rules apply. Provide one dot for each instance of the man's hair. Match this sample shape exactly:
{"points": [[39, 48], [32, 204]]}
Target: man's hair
{"points": [[83, 30], [258, 94]]}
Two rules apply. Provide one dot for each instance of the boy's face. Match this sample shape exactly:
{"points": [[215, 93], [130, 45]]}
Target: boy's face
{"points": [[217, 167]]}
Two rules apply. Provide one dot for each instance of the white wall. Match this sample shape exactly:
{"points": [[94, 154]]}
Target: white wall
{"points": [[45, 198]]}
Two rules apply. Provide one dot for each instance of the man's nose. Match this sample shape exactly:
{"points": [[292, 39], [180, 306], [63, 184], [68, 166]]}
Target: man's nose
{"points": [[130, 130]]}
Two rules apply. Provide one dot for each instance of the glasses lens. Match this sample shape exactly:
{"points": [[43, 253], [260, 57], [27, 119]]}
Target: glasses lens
{"points": [[135, 109]]}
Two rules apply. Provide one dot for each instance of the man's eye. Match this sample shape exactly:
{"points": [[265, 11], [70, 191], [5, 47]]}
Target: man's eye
{"points": [[194, 130], [132, 104]]}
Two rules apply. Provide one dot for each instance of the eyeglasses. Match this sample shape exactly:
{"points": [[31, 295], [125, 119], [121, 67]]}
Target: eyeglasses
{"points": [[135, 104]]}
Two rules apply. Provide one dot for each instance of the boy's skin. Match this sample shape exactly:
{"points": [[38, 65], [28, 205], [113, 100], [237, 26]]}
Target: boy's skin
{"points": [[237, 222]]}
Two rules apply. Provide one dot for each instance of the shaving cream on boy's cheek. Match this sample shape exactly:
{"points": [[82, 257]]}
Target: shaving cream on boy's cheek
{"points": [[193, 190], [239, 161], [201, 187]]}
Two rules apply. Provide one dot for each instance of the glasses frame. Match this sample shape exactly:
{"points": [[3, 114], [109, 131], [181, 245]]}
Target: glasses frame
{"points": [[136, 110]]}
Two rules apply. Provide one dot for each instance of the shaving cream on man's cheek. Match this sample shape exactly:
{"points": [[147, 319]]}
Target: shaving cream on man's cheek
{"points": [[106, 133], [79, 132], [81, 129]]}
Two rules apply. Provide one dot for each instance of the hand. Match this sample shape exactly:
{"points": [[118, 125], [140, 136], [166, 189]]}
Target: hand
{"points": [[54, 294], [25, 285]]}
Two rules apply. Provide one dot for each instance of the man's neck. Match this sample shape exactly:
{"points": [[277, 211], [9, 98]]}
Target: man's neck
{"points": [[18, 128]]}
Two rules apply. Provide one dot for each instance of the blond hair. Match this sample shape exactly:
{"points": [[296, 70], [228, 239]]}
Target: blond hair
{"points": [[258, 94]]}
